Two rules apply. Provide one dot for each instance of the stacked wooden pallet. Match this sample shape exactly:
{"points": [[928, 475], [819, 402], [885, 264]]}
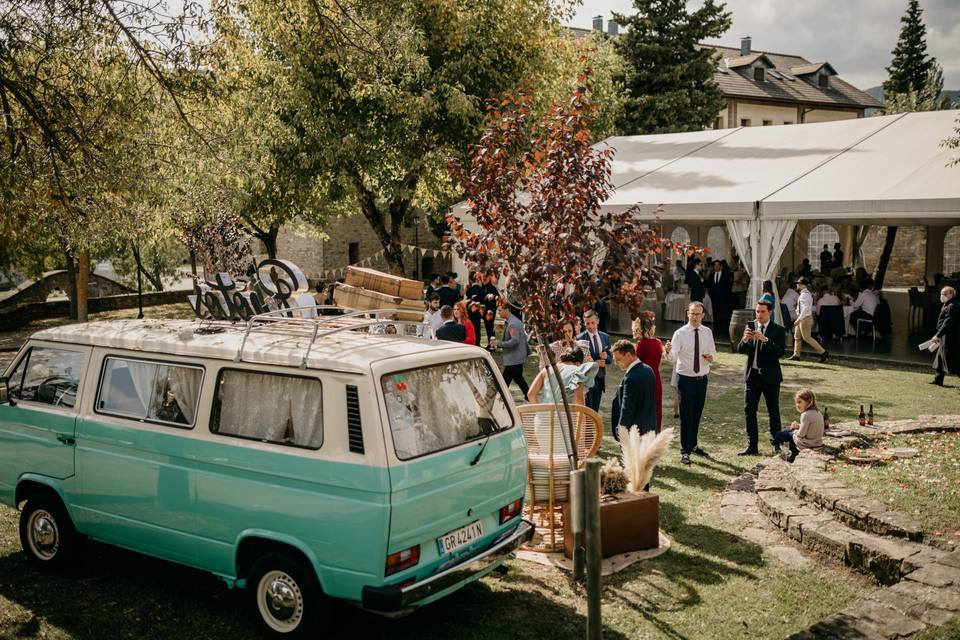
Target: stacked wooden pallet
{"points": [[372, 289]]}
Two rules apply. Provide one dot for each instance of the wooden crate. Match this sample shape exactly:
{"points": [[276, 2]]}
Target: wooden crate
{"points": [[381, 282], [358, 298], [628, 522]]}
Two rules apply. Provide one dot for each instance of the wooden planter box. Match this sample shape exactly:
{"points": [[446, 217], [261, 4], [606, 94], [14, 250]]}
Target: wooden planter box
{"points": [[628, 522], [381, 282]]}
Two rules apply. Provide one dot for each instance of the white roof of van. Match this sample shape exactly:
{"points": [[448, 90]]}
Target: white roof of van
{"points": [[279, 343]]}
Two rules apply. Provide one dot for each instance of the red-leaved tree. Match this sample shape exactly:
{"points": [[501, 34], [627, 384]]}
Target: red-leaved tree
{"points": [[534, 190]]}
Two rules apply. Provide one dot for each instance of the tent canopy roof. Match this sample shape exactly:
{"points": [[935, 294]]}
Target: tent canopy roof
{"points": [[865, 171]]}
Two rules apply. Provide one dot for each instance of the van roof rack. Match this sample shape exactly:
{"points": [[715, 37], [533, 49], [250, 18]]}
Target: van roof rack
{"points": [[347, 320]]}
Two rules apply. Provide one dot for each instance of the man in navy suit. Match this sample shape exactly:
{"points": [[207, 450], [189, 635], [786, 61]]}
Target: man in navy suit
{"points": [[450, 330], [600, 352], [763, 342], [635, 402]]}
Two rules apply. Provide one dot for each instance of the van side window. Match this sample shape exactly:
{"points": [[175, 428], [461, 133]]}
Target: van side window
{"points": [[48, 376], [152, 391], [268, 407]]}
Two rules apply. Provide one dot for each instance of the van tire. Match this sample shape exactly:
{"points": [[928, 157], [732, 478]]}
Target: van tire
{"points": [[47, 535], [286, 596]]}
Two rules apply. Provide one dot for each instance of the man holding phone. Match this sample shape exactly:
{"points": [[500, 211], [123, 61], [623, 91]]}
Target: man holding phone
{"points": [[763, 342], [692, 350], [601, 353]]}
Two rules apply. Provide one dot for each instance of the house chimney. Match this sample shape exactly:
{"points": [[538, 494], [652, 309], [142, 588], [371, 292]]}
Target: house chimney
{"points": [[598, 23], [745, 45], [612, 28]]}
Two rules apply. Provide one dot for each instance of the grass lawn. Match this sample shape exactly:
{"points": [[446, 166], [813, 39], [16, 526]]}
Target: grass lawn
{"points": [[716, 581], [926, 486]]}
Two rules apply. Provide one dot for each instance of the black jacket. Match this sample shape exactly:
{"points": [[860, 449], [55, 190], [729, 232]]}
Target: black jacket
{"points": [[452, 332], [720, 292], [769, 357], [948, 330], [635, 402], [694, 280], [448, 296]]}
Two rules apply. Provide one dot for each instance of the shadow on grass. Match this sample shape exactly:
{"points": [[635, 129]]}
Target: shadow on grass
{"points": [[120, 594]]}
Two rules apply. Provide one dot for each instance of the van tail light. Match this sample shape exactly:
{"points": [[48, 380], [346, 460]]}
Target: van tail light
{"points": [[401, 560], [512, 510]]}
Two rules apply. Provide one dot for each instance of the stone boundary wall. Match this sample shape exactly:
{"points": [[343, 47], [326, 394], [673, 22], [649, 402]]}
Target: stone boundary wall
{"points": [[22, 314]]}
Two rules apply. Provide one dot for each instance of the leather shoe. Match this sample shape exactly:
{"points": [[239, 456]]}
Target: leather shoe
{"points": [[684, 458], [749, 451], [700, 452], [936, 382], [824, 356]]}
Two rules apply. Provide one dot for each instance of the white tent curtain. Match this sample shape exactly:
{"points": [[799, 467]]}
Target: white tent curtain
{"points": [[774, 236], [741, 232]]}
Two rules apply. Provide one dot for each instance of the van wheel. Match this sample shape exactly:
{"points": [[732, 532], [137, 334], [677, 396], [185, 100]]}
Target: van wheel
{"points": [[287, 598], [47, 534]]}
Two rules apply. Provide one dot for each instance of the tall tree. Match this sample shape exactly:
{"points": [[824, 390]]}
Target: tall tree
{"points": [[911, 66], [670, 83], [380, 94]]}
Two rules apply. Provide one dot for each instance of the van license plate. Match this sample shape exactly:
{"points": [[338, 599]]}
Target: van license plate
{"points": [[460, 538]]}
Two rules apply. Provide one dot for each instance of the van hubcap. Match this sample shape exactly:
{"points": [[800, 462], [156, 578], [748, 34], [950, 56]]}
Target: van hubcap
{"points": [[43, 535], [280, 601]]}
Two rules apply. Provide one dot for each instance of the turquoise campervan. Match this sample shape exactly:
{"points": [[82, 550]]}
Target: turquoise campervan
{"points": [[299, 459]]}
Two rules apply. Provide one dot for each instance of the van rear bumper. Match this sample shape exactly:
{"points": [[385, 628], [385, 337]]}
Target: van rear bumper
{"points": [[393, 598]]}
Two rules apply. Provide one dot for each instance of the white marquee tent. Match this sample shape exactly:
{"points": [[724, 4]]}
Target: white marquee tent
{"points": [[760, 181]]}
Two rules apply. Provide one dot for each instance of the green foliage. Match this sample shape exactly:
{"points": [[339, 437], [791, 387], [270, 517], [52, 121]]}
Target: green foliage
{"points": [[930, 97], [669, 81], [378, 95], [911, 66]]}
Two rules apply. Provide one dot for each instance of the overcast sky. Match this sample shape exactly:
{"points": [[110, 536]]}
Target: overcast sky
{"points": [[855, 36]]}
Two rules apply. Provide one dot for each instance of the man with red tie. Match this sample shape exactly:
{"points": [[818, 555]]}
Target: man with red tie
{"points": [[692, 350]]}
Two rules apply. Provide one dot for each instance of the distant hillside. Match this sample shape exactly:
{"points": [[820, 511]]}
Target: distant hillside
{"points": [[877, 92]]}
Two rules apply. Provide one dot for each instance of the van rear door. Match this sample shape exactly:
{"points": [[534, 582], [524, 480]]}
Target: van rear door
{"points": [[459, 459], [37, 428]]}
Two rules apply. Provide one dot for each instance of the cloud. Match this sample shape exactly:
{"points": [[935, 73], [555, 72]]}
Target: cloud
{"points": [[855, 36]]}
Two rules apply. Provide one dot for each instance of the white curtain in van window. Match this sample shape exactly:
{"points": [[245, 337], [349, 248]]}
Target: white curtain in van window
{"points": [[272, 408], [185, 384]]}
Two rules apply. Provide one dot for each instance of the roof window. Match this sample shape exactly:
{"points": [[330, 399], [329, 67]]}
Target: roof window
{"points": [[823, 80], [759, 74]]}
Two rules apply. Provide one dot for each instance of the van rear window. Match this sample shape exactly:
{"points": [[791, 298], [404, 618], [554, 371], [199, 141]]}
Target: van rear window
{"points": [[268, 407], [442, 406]]}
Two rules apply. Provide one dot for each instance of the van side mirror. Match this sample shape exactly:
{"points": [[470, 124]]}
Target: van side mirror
{"points": [[5, 397]]}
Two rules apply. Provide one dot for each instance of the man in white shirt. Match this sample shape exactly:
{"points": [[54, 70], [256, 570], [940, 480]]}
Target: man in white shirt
{"points": [[789, 300], [804, 323], [692, 350], [432, 320], [865, 305]]}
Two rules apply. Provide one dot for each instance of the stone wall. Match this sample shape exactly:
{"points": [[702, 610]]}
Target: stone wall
{"points": [[318, 256], [908, 260], [16, 317]]}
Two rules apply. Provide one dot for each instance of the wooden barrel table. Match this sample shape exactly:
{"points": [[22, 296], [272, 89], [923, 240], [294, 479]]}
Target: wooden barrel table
{"points": [[738, 322]]}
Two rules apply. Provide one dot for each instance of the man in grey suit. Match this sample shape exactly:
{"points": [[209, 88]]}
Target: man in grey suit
{"points": [[515, 351]]}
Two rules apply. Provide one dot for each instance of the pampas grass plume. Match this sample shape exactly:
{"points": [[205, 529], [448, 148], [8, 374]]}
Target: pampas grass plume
{"points": [[641, 453]]}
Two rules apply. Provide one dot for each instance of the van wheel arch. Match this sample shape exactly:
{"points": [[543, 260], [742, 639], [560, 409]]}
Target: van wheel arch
{"points": [[27, 489], [253, 548]]}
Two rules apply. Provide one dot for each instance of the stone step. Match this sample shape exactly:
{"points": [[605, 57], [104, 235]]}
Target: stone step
{"points": [[887, 559], [810, 482]]}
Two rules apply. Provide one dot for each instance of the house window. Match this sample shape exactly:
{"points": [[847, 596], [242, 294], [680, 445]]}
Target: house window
{"points": [[767, 123], [758, 74], [353, 253], [951, 250], [823, 80], [680, 236], [744, 122], [822, 234]]}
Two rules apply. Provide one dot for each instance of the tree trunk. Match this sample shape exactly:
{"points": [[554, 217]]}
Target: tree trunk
{"points": [[885, 257], [269, 240], [193, 265], [83, 282], [154, 278], [72, 284]]}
